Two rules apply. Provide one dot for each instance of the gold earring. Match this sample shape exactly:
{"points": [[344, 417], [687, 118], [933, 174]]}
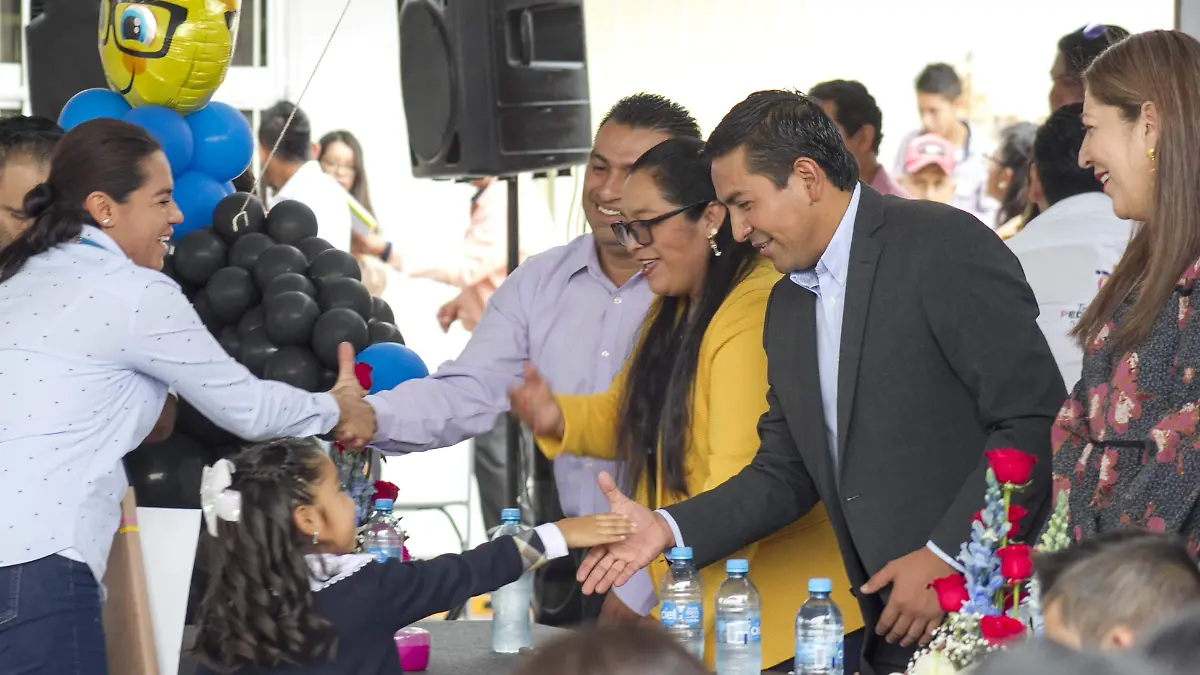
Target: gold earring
{"points": [[1003, 185], [712, 243], [315, 542], [1150, 154]]}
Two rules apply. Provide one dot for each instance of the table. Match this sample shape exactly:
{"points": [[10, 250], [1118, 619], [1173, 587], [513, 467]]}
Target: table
{"points": [[465, 647]]}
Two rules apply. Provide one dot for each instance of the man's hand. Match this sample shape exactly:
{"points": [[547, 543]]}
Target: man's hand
{"points": [[616, 612], [912, 611], [613, 565], [356, 423], [534, 404]]}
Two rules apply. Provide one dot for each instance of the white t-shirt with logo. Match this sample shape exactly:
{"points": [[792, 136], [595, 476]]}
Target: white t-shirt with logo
{"points": [[1068, 252]]}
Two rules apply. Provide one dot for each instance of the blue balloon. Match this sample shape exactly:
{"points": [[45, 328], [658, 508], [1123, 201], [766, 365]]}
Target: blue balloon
{"points": [[92, 104], [229, 188], [170, 130], [224, 141], [391, 364], [197, 195]]}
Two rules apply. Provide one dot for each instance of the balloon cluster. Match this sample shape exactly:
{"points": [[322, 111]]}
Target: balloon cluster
{"points": [[207, 149], [279, 300]]}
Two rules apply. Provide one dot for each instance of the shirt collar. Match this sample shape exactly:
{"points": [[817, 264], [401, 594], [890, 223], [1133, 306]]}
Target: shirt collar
{"points": [[836, 259], [98, 237], [585, 258]]}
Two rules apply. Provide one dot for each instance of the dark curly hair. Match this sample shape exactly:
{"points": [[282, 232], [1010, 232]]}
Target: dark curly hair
{"points": [[258, 611]]}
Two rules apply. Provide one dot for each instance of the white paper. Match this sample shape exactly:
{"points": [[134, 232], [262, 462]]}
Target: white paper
{"points": [[169, 538]]}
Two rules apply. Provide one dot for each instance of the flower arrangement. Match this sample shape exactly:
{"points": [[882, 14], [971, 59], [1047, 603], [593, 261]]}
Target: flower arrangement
{"points": [[993, 603]]}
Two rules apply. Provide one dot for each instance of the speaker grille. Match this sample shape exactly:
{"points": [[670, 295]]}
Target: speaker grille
{"points": [[427, 77]]}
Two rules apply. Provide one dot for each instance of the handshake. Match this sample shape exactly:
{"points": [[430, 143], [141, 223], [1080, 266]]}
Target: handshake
{"points": [[356, 425]]}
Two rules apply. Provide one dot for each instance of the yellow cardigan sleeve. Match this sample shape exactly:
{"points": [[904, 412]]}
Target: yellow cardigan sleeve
{"points": [[590, 427]]}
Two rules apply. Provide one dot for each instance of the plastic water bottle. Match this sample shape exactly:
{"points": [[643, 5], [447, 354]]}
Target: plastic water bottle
{"points": [[682, 597], [819, 632], [383, 537], [739, 623], [511, 631]]}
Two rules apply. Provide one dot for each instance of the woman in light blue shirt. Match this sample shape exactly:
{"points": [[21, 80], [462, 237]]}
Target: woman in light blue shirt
{"points": [[92, 336]]}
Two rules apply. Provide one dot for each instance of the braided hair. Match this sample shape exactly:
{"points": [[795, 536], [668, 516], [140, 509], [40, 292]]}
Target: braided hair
{"points": [[258, 610]]}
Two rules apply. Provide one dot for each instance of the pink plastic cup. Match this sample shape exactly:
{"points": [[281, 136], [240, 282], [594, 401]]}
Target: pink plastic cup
{"points": [[413, 645]]}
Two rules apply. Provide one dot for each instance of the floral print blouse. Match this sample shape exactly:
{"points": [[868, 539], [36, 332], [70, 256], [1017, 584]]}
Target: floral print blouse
{"points": [[1126, 447]]}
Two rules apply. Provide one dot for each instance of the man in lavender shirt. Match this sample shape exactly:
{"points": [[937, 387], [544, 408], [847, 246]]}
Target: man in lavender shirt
{"points": [[573, 312], [860, 122]]}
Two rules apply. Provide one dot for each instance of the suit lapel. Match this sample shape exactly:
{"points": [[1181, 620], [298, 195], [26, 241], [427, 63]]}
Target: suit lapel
{"points": [[802, 327], [860, 279]]}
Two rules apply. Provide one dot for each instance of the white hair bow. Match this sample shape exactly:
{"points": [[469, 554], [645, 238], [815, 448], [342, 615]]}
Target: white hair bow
{"points": [[216, 499]]}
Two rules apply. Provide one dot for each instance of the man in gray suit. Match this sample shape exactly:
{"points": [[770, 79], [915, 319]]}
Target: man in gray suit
{"points": [[902, 345]]}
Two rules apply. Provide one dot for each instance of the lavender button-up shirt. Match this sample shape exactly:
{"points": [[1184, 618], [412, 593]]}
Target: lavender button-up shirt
{"points": [[558, 311]]}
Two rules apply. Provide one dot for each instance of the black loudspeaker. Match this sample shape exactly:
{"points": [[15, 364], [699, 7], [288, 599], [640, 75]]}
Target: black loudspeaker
{"points": [[61, 54], [494, 87]]}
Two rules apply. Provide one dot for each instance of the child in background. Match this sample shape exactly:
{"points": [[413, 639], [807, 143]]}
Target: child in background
{"points": [[287, 596], [1101, 593], [929, 169]]}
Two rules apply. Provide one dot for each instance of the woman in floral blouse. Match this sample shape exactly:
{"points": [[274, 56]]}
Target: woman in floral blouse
{"points": [[1126, 442]]}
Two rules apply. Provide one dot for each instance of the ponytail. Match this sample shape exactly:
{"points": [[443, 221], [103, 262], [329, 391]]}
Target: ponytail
{"points": [[101, 155]]}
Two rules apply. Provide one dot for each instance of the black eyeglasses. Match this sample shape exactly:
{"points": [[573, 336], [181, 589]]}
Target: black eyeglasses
{"points": [[639, 230]]}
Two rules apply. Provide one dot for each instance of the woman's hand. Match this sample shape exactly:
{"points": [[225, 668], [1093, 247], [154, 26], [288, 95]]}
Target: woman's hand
{"points": [[588, 531], [534, 404], [356, 424]]}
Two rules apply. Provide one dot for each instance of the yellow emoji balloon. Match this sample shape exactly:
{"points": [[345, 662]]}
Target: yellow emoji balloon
{"points": [[172, 53]]}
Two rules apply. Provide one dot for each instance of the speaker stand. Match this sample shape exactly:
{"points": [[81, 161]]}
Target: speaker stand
{"points": [[513, 465]]}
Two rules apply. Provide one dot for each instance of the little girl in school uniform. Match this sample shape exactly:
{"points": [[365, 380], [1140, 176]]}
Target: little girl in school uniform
{"points": [[286, 594]]}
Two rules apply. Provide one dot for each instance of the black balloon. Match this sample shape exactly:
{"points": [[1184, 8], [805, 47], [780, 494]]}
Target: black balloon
{"points": [[167, 474], [256, 349], [313, 246], [295, 366], [205, 311], [279, 259], [382, 331], [230, 223], [231, 342], [326, 379], [346, 293], [246, 250], [291, 221], [333, 264], [231, 292], [335, 327], [381, 311], [193, 423], [169, 270], [198, 256], [289, 282], [253, 320], [290, 318]]}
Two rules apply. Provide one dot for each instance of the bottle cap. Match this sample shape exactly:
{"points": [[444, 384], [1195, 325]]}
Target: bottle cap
{"points": [[820, 586], [681, 553], [737, 566], [384, 504], [510, 515]]}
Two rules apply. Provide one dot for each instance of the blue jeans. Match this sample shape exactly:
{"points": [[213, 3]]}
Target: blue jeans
{"points": [[50, 619]]}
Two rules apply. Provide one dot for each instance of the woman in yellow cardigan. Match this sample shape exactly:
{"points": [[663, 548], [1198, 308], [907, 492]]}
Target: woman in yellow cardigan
{"points": [[683, 414]]}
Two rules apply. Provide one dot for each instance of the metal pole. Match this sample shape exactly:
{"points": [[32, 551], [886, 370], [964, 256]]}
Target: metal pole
{"points": [[513, 468]]}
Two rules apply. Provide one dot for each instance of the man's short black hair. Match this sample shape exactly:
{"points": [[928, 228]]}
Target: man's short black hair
{"points": [[1128, 577], [940, 79], [28, 136], [855, 107], [296, 145], [1056, 156], [778, 127], [653, 112], [1079, 48]]}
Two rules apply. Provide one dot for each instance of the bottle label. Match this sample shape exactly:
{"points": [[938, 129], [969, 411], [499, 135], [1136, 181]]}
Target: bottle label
{"points": [[820, 654], [687, 614], [742, 632]]}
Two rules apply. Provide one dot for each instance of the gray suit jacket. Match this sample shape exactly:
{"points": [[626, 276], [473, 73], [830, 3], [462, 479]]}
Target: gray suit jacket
{"points": [[941, 359]]}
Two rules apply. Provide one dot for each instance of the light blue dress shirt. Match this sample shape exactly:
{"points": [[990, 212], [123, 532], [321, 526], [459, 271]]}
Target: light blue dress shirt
{"points": [[827, 280], [90, 343]]}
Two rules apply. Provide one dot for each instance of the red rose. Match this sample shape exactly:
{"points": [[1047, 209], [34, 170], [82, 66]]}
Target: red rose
{"points": [[1016, 562], [951, 592], [363, 372], [404, 555], [1012, 467], [386, 490], [1015, 513], [1000, 630]]}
